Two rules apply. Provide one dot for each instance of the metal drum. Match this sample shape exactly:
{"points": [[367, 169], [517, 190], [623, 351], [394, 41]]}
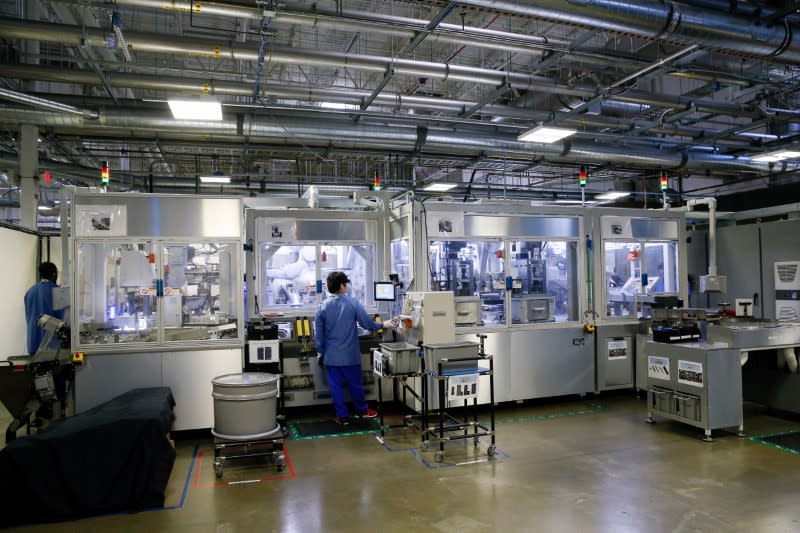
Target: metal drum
{"points": [[245, 406]]}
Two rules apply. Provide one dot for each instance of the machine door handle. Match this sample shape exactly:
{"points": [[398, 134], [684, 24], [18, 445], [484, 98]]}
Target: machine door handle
{"points": [[658, 392]]}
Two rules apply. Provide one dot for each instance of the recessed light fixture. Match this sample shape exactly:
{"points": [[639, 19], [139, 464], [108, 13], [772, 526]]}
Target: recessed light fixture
{"points": [[195, 108], [780, 155], [612, 195], [439, 187], [546, 134], [215, 179]]}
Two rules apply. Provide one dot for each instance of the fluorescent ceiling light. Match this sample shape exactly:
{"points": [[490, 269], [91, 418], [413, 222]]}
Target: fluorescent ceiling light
{"points": [[612, 195], [780, 155], [546, 134], [337, 105], [439, 187], [43, 208], [195, 108], [215, 179]]}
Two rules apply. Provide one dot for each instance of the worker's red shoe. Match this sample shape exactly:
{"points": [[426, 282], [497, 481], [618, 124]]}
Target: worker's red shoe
{"points": [[369, 413]]}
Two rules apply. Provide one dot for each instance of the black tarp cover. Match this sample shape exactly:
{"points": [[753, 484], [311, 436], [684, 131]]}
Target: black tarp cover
{"points": [[115, 457]]}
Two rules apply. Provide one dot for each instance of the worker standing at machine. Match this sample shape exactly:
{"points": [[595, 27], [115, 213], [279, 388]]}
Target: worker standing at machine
{"points": [[38, 301], [337, 345]]}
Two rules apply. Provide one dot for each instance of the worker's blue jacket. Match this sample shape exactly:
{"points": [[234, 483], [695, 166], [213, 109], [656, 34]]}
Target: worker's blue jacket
{"points": [[38, 300], [335, 329]]}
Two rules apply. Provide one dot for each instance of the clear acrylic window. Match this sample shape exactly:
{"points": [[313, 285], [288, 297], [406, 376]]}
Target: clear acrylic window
{"points": [[116, 292], [622, 277], [660, 264], [475, 273], [355, 260], [289, 275], [544, 281], [400, 265], [199, 301]]}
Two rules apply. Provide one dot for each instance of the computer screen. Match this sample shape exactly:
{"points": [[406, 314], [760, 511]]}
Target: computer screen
{"points": [[384, 291]]}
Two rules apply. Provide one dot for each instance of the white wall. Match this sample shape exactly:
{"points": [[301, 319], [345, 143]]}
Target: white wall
{"points": [[18, 272]]}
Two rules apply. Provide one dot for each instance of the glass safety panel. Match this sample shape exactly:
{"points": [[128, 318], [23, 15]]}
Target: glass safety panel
{"points": [[199, 298], [400, 265], [116, 292], [622, 277], [661, 266], [355, 260], [544, 281], [475, 273], [288, 276]]}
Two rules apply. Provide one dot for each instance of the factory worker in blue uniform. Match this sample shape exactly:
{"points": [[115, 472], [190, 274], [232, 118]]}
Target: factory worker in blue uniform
{"points": [[337, 345], [38, 301]]}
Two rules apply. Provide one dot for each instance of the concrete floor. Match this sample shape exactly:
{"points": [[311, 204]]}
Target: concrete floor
{"points": [[602, 471]]}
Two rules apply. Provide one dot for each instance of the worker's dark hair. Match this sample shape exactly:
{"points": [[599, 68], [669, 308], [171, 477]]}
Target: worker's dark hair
{"points": [[48, 270], [335, 280]]}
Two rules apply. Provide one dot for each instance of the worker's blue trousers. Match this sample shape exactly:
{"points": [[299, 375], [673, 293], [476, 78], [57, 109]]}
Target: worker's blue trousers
{"points": [[351, 375]]}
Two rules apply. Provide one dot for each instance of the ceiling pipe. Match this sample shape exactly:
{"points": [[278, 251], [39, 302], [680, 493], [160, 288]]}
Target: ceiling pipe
{"points": [[358, 21], [646, 18], [42, 103], [666, 21], [119, 122], [395, 101], [150, 42]]}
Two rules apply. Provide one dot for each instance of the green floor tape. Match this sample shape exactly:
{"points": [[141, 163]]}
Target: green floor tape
{"points": [[787, 441], [588, 411], [323, 429]]}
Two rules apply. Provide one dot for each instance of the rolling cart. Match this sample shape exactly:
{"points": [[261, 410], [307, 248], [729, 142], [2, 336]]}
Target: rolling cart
{"points": [[399, 361], [270, 446], [450, 428]]}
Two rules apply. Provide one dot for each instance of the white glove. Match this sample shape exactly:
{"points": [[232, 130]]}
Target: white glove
{"points": [[389, 324]]}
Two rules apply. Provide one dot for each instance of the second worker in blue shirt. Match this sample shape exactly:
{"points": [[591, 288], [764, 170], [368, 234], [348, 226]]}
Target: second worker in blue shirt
{"points": [[337, 345]]}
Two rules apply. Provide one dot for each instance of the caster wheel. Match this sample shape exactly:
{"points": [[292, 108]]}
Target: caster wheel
{"points": [[425, 445], [439, 457], [491, 451], [280, 464], [218, 470], [476, 441]]}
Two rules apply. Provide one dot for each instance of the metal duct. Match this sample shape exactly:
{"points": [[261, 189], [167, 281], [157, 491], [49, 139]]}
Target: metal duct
{"points": [[218, 49], [646, 18], [611, 108], [74, 35], [35, 101], [396, 137], [669, 21], [362, 21]]}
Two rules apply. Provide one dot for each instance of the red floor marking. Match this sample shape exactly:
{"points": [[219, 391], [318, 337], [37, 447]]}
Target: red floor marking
{"points": [[199, 465]]}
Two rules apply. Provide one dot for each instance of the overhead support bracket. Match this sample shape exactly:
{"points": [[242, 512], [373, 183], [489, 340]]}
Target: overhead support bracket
{"points": [[674, 117], [740, 128], [422, 136], [432, 24], [489, 99], [366, 102], [556, 56]]}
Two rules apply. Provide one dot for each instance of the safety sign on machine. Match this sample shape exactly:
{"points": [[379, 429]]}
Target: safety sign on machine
{"points": [[463, 387], [658, 367], [690, 373], [617, 349]]}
